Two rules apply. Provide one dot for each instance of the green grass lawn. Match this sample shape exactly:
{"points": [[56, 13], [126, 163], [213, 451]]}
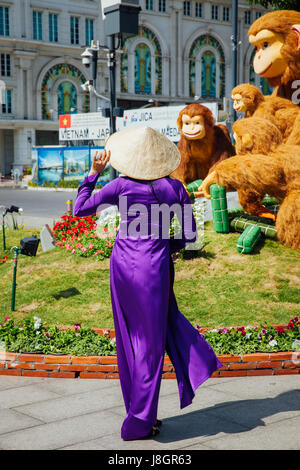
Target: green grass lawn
{"points": [[220, 287]]}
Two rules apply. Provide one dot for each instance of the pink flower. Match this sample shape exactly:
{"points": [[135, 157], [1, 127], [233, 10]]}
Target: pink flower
{"points": [[73, 251], [111, 235], [6, 319], [77, 326], [105, 229], [91, 246], [84, 249], [108, 244], [78, 245]]}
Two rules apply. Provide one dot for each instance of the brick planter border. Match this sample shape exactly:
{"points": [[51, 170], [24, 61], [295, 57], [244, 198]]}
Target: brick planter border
{"points": [[105, 367]]}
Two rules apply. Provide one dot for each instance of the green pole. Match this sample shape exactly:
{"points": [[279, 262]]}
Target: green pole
{"points": [[3, 231], [14, 284]]}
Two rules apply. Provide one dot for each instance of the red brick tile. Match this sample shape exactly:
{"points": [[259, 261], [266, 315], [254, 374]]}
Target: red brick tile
{"points": [[8, 356], [92, 375], [35, 373], [169, 375], [39, 366], [255, 357], [63, 375], [19, 365], [281, 356], [167, 360], [232, 373], [291, 364], [74, 368], [108, 360], [101, 368], [31, 357], [229, 358], [11, 372], [282, 371], [242, 365], [112, 376], [53, 359], [214, 374], [269, 364], [85, 359], [259, 372]]}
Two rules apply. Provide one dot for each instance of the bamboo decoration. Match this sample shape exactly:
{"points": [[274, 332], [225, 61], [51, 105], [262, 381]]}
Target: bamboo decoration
{"points": [[193, 187], [249, 238], [240, 223], [219, 208]]}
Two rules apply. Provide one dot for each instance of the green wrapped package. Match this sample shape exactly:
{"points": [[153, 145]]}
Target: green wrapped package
{"points": [[219, 208], [240, 223], [193, 187], [249, 238]]}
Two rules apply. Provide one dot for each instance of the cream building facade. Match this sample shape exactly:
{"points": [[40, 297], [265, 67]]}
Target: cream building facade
{"points": [[183, 50]]}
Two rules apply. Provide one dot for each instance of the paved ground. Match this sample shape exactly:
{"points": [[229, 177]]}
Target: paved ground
{"points": [[230, 413]]}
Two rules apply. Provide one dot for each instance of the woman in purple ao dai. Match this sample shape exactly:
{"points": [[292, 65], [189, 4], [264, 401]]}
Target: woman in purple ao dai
{"points": [[146, 316]]}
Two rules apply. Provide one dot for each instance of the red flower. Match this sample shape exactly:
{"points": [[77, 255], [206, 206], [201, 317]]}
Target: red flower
{"points": [[280, 330]]}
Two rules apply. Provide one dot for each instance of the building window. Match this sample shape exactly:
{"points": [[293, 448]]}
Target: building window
{"points": [[5, 65], [257, 14], [214, 12], [53, 29], [162, 5], [89, 31], [142, 69], [6, 104], [74, 29], [66, 98], [226, 14], [206, 68], [149, 5], [248, 17], [187, 8], [198, 10], [4, 21], [37, 25]]}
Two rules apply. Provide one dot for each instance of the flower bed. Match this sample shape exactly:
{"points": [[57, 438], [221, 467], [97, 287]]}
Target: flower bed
{"points": [[35, 350], [82, 236]]}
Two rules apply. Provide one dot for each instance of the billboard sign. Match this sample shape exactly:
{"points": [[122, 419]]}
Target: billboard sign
{"points": [[86, 126], [92, 126]]}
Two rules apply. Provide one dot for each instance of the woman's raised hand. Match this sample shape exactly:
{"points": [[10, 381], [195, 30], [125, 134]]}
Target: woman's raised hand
{"points": [[99, 162]]}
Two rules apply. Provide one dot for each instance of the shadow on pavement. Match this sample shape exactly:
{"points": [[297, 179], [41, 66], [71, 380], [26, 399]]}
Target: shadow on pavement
{"points": [[227, 417]]}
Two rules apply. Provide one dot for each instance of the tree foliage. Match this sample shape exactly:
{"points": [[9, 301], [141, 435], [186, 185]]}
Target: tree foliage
{"points": [[277, 4]]}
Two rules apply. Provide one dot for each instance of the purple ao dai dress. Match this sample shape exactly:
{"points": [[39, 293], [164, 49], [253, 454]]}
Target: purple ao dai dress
{"points": [[146, 317]]}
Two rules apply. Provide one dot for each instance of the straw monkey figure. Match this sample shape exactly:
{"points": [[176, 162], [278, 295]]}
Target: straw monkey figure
{"points": [[282, 112], [202, 143], [263, 166], [276, 38]]}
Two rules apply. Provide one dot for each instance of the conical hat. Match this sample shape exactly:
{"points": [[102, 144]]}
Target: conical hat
{"points": [[142, 153]]}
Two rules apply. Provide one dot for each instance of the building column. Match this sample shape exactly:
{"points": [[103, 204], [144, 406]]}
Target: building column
{"points": [[24, 140], [173, 52]]}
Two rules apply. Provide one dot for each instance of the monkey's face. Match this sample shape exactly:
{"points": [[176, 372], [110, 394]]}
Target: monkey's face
{"points": [[268, 61], [238, 103], [193, 127]]}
